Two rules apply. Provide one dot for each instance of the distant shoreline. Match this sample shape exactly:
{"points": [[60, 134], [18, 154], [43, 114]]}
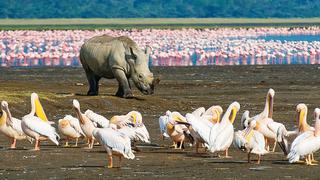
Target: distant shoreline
{"points": [[156, 23]]}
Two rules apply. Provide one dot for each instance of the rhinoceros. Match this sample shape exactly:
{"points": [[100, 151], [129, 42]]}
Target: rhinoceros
{"points": [[120, 58]]}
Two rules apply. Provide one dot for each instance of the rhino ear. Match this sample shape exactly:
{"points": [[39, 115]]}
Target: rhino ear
{"points": [[130, 55], [133, 54], [148, 50]]}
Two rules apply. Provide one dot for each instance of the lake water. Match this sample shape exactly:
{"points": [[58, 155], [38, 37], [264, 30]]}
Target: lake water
{"points": [[261, 50]]}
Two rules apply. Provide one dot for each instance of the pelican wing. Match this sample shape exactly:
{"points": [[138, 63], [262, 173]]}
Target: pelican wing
{"points": [[128, 131], [121, 121], [300, 139], [115, 140], [163, 121], [239, 140], [142, 134], [223, 139], [74, 122], [41, 127], [16, 125], [258, 143], [100, 120], [202, 129]]}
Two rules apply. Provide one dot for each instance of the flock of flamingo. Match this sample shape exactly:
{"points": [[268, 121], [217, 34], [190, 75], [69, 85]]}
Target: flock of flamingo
{"points": [[180, 47], [205, 129]]}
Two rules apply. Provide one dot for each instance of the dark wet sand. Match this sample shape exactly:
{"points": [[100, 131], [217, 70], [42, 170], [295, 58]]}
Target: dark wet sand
{"points": [[181, 89]]}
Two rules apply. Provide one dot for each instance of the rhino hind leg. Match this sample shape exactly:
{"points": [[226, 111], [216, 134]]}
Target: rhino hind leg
{"points": [[124, 89], [93, 83]]}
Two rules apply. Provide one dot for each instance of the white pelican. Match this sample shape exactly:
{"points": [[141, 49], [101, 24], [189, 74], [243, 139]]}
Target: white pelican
{"points": [[306, 143], [101, 121], [70, 127], [85, 123], [38, 127], [209, 118], [271, 130], [225, 131], [10, 126], [303, 126], [178, 132], [132, 125], [115, 143], [217, 137], [251, 141]]}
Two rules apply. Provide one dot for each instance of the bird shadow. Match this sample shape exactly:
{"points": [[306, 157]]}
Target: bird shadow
{"points": [[134, 98], [281, 162], [84, 166], [167, 152], [228, 162]]}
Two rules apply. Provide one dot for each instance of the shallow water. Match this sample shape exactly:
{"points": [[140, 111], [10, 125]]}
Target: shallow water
{"points": [[282, 38]]}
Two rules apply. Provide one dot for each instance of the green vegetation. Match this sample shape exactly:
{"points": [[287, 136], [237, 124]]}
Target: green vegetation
{"points": [[140, 23], [159, 8]]}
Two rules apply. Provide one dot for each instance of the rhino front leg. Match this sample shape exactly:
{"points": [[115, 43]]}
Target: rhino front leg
{"points": [[124, 89], [93, 83]]}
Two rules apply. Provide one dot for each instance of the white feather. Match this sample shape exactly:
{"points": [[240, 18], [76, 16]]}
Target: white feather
{"points": [[100, 120], [115, 140], [39, 126], [74, 122], [163, 121]]}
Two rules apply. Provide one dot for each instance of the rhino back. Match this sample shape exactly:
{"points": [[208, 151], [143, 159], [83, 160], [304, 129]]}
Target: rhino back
{"points": [[100, 54]]}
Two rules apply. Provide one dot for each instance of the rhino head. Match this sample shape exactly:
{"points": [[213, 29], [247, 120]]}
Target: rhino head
{"points": [[139, 70]]}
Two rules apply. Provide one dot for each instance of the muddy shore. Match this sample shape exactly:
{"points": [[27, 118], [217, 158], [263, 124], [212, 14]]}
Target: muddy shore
{"points": [[182, 89]]}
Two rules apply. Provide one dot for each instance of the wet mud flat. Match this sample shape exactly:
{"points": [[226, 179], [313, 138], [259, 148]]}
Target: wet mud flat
{"points": [[182, 89]]}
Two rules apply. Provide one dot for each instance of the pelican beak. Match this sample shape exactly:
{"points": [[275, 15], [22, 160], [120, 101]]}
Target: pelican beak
{"points": [[39, 110], [3, 117], [233, 114], [248, 134], [270, 107], [134, 118]]}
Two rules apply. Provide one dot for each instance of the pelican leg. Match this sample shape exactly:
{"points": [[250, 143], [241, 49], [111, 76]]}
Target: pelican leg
{"points": [[67, 142], [91, 144], [274, 146], [310, 161], [110, 163], [77, 139], [312, 158], [174, 145], [267, 145], [13, 143], [259, 159], [249, 157], [37, 145], [227, 153], [181, 143], [306, 160]]}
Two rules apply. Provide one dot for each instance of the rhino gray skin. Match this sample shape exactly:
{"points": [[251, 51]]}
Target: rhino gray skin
{"points": [[120, 58]]}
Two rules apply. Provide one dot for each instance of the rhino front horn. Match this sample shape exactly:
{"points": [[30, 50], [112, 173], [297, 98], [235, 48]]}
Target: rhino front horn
{"points": [[156, 81]]}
